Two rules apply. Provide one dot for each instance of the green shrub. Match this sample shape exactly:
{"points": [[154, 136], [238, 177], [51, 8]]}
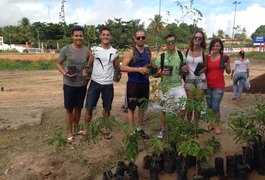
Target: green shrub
{"points": [[27, 65]]}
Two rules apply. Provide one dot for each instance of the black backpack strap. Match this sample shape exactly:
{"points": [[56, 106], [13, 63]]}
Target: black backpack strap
{"points": [[180, 56], [148, 54], [181, 64], [186, 54], [162, 60]]}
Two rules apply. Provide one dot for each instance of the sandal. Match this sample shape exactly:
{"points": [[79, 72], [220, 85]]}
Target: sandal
{"points": [[70, 139], [107, 135], [218, 130], [83, 135]]}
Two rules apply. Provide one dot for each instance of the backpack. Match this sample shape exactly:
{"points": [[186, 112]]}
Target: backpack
{"points": [[135, 52], [162, 59]]}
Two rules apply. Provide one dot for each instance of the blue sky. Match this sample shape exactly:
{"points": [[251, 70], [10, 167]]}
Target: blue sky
{"points": [[217, 14]]}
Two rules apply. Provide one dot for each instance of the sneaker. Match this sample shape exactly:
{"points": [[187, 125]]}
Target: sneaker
{"points": [[143, 134], [161, 134]]}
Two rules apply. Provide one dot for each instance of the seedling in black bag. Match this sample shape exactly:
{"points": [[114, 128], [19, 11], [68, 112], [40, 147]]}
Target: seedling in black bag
{"points": [[224, 60]]}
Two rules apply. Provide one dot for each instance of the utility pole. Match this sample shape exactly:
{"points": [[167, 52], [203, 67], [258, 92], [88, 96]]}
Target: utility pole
{"points": [[235, 3], [62, 13], [38, 36]]}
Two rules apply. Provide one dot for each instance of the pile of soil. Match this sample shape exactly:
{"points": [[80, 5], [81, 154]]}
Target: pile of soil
{"points": [[257, 86]]}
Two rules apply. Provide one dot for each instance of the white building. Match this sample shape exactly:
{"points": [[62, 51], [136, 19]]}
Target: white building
{"points": [[4, 46]]}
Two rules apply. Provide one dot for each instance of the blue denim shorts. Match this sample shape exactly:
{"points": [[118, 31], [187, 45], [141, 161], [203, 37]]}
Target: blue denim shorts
{"points": [[214, 97], [94, 91]]}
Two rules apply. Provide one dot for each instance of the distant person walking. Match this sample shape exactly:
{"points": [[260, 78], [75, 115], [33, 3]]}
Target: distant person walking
{"points": [[75, 57], [217, 63], [240, 73]]}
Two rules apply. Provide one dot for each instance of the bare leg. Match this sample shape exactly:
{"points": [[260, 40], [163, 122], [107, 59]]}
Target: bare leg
{"points": [[69, 122], [197, 116], [77, 114], [140, 118], [106, 115], [189, 113], [162, 120], [87, 119], [218, 129], [131, 118]]}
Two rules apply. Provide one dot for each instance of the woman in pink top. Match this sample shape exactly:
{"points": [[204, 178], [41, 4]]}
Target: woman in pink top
{"points": [[217, 63]]}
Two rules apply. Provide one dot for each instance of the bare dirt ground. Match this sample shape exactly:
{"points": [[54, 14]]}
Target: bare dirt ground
{"points": [[31, 109]]}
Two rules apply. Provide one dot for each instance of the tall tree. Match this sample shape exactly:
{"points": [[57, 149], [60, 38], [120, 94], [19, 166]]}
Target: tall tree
{"points": [[260, 31], [24, 30], [156, 26]]}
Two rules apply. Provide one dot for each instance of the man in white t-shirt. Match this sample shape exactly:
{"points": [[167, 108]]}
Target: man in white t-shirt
{"points": [[105, 59]]}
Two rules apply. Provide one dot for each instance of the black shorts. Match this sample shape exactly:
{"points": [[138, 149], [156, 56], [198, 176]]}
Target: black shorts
{"points": [[137, 94], [94, 91], [74, 96]]}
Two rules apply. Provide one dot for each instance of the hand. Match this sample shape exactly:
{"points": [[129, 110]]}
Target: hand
{"points": [[84, 73], [203, 70], [185, 68], [69, 75], [143, 70]]}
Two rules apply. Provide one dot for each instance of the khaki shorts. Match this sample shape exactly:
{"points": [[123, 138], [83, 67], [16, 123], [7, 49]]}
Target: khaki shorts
{"points": [[195, 83], [173, 100]]}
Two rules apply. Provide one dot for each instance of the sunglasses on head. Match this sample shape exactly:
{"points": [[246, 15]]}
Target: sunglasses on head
{"points": [[171, 41], [197, 38], [140, 37]]}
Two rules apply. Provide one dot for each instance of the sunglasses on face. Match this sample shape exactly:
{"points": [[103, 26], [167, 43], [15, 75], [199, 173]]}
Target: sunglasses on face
{"points": [[199, 38], [140, 37], [171, 42]]}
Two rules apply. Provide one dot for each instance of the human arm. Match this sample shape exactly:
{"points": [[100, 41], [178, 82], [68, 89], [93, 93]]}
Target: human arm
{"points": [[126, 61], [205, 56], [117, 70], [232, 74], [59, 66], [227, 67], [88, 68], [247, 72]]}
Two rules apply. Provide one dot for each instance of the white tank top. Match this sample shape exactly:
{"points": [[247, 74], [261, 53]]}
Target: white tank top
{"points": [[192, 63]]}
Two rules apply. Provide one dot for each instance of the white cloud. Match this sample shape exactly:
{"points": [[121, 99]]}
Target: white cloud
{"points": [[250, 18], [99, 11]]}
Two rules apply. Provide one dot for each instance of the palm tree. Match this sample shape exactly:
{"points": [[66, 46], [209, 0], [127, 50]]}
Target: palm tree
{"points": [[24, 26], [156, 26]]}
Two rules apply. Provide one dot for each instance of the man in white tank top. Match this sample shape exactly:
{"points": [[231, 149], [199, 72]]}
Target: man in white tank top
{"points": [[105, 59]]}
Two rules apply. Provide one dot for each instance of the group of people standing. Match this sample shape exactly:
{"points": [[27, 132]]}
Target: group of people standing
{"points": [[202, 71]]}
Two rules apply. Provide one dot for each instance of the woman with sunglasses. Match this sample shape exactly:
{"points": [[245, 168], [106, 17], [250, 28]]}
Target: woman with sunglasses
{"points": [[195, 83], [217, 63], [240, 73]]}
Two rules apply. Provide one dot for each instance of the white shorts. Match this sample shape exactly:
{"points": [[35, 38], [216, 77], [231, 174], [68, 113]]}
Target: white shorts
{"points": [[173, 100]]}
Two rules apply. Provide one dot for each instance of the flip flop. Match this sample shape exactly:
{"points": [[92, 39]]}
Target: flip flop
{"points": [[83, 135], [218, 131], [107, 135], [70, 139]]}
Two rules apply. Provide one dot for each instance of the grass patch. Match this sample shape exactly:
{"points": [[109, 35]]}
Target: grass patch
{"points": [[27, 65]]}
